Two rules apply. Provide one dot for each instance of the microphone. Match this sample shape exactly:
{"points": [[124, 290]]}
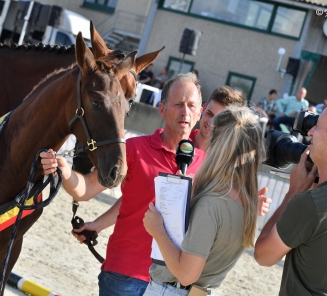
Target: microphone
{"points": [[184, 155]]}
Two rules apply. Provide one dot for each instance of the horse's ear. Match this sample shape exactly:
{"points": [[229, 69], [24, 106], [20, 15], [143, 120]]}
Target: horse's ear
{"points": [[84, 56], [122, 68], [144, 60], [99, 47]]}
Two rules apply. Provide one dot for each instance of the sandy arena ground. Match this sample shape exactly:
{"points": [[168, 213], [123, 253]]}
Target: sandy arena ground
{"points": [[53, 258]]}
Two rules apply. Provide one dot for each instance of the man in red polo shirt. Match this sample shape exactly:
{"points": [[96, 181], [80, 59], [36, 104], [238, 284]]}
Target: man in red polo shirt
{"points": [[125, 270]]}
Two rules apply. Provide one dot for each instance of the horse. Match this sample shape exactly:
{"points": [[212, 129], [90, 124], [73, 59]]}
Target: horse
{"points": [[90, 90], [29, 63]]}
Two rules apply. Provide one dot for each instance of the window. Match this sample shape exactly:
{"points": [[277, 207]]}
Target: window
{"points": [[248, 13], [288, 21], [62, 39], [101, 5], [174, 65], [181, 5], [268, 17], [242, 83]]}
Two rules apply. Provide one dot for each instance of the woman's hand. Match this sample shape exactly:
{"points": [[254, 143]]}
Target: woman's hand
{"points": [[153, 221], [264, 202]]}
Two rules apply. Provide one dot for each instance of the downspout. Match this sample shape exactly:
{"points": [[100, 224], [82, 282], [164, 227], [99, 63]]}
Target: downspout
{"points": [[288, 83], [148, 27]]}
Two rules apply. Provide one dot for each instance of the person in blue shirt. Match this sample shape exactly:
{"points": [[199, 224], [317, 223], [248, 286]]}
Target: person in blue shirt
{"points": [[289, 107]]}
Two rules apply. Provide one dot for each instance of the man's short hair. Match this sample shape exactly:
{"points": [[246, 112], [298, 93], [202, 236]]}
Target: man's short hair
{"points": [[226, 96], [273, 91], [188, 77]]}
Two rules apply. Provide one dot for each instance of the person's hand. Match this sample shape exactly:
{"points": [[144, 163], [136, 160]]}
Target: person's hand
{"points": [[303, 175], [153, 221], [92, 226], [264, 202], [50, 162], [292, 114], [282, 114]]}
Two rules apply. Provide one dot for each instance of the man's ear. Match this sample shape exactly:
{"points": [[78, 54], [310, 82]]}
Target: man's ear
{"points": [[201, 110], [161, 108]]}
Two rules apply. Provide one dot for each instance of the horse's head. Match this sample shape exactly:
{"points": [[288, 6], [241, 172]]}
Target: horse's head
{"points": [[128, 81], [105, 108]]}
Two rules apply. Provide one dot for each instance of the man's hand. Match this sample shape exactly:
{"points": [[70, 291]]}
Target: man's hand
{"points": [[153, 221], [92, 226], [264, 202], [50, 162], [303, 175]]}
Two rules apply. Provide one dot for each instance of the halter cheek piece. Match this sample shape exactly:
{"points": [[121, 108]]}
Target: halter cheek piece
{"points": [[91, 144]]}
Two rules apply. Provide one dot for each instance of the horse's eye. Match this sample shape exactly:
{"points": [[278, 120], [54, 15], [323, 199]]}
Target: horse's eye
{"points": [[96, 104]]}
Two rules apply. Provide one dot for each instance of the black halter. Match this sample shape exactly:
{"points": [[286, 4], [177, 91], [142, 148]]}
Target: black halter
{"points": [[91, 144]]}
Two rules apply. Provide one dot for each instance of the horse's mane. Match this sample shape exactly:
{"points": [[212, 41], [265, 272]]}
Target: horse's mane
{"points": [[40, 46], [117, 53], [48, 79]]}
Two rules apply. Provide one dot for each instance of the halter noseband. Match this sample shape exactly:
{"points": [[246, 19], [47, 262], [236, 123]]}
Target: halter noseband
{"points": [[91, 144]]}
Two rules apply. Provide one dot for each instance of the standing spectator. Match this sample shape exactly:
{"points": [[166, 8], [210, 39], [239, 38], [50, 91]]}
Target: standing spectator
{"points": [[289, 107], [298, 228]]}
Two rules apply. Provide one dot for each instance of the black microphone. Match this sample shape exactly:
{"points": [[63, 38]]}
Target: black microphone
{"points": [[184, 155]]}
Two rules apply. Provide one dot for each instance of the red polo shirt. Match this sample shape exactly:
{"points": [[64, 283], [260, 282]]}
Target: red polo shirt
{"points": [[193, 134], [129, 247]]}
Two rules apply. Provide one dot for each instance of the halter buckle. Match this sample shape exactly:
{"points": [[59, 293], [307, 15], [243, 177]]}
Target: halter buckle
{"points": [[91, 145]]}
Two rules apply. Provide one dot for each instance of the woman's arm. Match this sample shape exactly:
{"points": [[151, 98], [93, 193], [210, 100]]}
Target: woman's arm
{"points": [[185, 267]]}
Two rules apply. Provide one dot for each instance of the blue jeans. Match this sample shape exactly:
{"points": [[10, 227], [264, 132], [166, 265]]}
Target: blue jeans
{"points": [[115, 284], [157, 289]]}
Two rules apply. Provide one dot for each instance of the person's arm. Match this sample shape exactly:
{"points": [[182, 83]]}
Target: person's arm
{"points": [[269, 247], [80, 187], [280, 104], [185, 267]]}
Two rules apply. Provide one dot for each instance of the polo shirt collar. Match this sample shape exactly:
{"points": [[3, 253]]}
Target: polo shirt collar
{"points": [[156, 142]]}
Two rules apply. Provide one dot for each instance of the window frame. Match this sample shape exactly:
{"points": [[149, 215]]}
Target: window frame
{"points": [[239, 75], [174, 59], [270, 24], [98, 7]]}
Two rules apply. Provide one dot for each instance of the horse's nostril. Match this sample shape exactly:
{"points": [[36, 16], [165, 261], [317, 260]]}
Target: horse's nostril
{"points": [[114, 173]]}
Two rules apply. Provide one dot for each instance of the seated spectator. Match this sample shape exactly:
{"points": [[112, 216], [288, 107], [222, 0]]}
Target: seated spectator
{"points": [[267, 106], [321, 107], [146, 77], [289, 107], [161, 78]]}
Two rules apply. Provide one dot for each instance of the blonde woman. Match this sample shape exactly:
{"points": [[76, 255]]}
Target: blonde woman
{"points": [[224, 209]]}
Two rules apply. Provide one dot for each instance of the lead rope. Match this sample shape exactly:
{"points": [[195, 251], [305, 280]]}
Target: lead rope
{"points": [[21, 199]]}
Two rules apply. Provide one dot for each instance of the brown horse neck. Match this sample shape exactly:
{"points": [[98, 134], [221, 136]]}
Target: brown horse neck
{"points": [[40, 122]]}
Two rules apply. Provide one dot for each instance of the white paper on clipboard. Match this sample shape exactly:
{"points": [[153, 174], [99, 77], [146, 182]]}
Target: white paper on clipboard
{"points": [[172, 201]]}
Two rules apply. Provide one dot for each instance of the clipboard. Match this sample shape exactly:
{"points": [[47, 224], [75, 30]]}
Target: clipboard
{"points": [[185, 191]]}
